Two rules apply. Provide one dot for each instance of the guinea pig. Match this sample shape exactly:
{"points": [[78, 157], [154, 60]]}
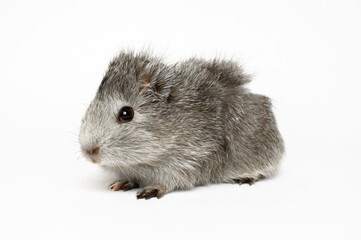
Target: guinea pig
{"points": [[168, 127]]}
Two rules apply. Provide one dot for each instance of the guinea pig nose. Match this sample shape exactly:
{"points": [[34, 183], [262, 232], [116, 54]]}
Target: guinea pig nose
{"points": [[94, 151]]}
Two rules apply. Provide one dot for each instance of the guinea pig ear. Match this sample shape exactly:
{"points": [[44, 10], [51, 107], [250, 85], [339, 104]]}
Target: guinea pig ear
{"points": [[160, 86], [144, 79], [163, 88]]}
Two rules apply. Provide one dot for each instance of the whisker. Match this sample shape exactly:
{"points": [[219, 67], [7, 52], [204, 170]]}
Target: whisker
{"points": [[129, 167], [126, 176], [132, 169]]}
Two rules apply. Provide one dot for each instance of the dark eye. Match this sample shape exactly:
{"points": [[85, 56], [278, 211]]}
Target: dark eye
{"points": [[125, 114]]}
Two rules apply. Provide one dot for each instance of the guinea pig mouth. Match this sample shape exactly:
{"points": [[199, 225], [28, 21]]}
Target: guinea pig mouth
{"points": [[95, 160]]}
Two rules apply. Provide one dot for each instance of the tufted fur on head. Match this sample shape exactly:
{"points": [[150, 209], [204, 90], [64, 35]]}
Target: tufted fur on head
{"points": [[194, 123]]}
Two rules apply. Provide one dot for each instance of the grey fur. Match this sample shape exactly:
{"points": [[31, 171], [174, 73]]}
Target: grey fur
{"points": [[194, 123]]}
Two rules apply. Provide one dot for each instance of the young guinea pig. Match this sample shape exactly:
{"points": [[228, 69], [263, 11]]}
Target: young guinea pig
{"points": [[168, 127]]}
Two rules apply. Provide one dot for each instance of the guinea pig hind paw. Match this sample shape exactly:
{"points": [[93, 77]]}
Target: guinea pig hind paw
{"points": [[241, 181], [249, 180], [150, 192], [124, 185]]}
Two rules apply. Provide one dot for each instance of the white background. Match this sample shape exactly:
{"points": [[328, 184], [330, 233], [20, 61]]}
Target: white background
{"points": [[305, 55]]}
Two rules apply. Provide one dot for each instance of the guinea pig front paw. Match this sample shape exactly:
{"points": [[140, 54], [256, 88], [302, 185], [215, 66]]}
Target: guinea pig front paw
{"points": [[154, 190], [124, 185]]}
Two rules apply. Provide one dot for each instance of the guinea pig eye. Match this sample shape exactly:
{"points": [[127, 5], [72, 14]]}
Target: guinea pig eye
{"points": [[125, 114]]}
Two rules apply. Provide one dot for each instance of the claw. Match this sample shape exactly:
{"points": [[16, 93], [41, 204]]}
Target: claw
{"points": [[240, 181], [122, 185]]}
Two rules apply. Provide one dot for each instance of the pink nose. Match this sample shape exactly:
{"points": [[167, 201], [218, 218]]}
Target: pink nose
{"points": [[94, 151]]}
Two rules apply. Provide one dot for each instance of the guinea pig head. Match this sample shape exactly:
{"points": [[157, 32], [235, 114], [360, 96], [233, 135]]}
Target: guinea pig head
{"points": [[120, 124]]}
